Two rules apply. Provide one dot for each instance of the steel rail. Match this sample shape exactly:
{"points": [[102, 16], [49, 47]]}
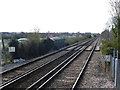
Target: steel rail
{"points": [[84, 67], [33, 86], [44, 56], [18, 67], [28, 72], [19, 77], [46, 78]]}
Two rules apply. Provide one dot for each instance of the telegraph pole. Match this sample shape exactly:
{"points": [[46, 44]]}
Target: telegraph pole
{"points": [[3, 45]]}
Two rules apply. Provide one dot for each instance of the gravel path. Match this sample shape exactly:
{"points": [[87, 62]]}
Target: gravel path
{"points": [[95, 76]]}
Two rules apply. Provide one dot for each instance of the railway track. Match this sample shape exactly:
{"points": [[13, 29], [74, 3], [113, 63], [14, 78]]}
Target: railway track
{"points": [[22, 81], [10, 74], [68, 78], [83, 68], [44, 56], [28, 72]]}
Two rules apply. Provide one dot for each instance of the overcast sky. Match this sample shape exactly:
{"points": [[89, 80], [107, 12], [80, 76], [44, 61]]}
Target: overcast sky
{"points": [[53, 15]]}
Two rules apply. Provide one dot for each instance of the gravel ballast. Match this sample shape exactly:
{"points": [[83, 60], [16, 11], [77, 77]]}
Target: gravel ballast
{"points": [[67, 77], [95, 75]]}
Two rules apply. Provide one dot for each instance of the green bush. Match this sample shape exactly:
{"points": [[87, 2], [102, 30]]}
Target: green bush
{"points": [[31, 48], [6, 58], [107, 48]]}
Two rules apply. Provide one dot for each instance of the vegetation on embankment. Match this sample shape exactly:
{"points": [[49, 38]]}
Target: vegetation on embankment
{"points": [[107, 48], [74, 40], [114, 27], [31, 48], [34, 46]]}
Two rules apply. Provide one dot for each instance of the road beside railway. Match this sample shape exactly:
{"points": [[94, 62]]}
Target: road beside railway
{"points": [[95, 76]]}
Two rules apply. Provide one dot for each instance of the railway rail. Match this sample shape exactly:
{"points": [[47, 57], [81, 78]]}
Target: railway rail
{"points": [[45, 81], [11, 73], [45, 56], [83, 68], [47, 67]]}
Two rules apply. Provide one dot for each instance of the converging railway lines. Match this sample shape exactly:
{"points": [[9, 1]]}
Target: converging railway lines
{"points": [[9, 74], [70, 75], [45, 69]]}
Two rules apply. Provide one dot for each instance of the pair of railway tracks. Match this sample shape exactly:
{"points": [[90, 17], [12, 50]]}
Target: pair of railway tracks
{"points": [[49, 67], [45, 56], [11, 73], [47, 81]]}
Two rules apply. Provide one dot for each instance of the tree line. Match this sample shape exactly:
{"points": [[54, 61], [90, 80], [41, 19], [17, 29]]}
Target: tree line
{"points": [[31, 48], [34, 46]]}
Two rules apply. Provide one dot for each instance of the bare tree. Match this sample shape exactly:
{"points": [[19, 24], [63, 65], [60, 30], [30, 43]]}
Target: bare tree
{"points": [[115, 8], [115, 11]]}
